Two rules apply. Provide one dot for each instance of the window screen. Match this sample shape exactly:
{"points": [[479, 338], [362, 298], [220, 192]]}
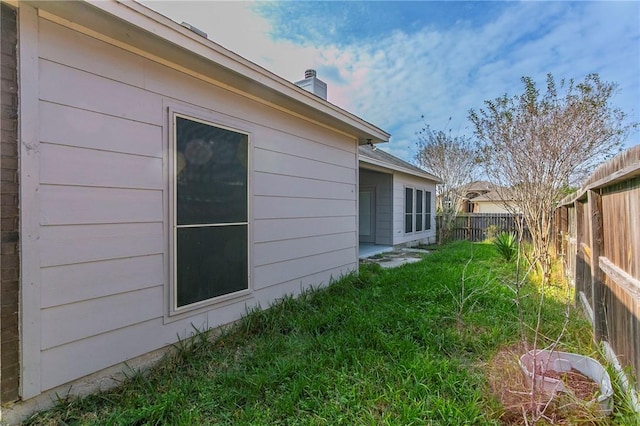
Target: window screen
{"points": [[212, 261], [211, 174], [408, 210], [419, 203], [211, 211], [427, 210]]}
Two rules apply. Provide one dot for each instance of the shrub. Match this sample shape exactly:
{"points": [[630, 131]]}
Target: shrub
{"points": [[507, 245]]}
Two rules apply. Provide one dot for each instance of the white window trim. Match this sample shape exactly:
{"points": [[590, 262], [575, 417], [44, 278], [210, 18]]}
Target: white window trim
{"points": [[413, 210], [414, 213], [176, 312], [424, 210]]}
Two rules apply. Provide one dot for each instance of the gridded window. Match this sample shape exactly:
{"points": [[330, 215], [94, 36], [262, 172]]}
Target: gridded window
{"points": [[417, 212], [427, 210], [210, 205], [419, 209], [408, 210]]}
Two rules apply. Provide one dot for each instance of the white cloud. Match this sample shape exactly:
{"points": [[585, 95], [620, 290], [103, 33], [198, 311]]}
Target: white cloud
{"points": [[235, 26], [395, 78], [444, 74]]}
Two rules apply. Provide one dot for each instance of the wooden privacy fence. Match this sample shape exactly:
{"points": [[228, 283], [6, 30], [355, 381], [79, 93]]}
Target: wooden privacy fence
{"points": [[597, 232], [475, 226]]}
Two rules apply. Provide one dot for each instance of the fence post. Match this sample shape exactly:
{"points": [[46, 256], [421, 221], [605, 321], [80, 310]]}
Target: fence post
{"points": [[557, 231], [468, 229], [579, 260], [597, 276], [564, 229]]}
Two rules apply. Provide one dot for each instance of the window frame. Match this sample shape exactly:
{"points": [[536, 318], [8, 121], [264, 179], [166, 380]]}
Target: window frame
{"points": [[419, 210], [425, 214], [410, 213], [209, 120]]}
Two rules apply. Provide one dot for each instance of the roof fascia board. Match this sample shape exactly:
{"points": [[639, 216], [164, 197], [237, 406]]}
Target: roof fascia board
{"points": [[140, 27]]}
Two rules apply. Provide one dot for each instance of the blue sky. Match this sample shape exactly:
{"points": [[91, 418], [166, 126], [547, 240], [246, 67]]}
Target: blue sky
{"points": [[393, 62]]}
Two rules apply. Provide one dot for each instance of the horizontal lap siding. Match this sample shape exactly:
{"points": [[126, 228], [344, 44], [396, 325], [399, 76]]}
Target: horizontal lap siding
{"points": [[104, 198], [272, 274], [83, 90], [286, 250], [102, 216], [304, 213], [277, 132], [272, 185], [68, 362], [80, 128], [287, 165], [266, 230], [65, 245], [63, 165], [89, 280], [327, 151], [265, 297], [116, 311], [270, 207], [67, 205], [55, 44]]}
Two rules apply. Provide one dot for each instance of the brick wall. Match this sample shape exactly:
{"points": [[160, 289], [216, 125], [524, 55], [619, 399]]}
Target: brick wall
{"points": [[9, 213]]}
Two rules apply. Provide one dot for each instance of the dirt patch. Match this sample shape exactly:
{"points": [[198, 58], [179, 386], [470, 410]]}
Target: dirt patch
{"points": [[582, 387], [509, 386]]}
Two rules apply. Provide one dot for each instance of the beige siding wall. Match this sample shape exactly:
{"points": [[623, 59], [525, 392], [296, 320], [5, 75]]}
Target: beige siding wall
{"points": [[489, 207], [400, 181], [104, 218]]}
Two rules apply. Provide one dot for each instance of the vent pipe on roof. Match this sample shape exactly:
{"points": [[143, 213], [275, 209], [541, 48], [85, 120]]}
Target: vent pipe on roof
{"points": [[194, 29], [313, 84]]}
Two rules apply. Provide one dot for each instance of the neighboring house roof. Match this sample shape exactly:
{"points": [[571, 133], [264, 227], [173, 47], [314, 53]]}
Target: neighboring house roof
{"points": [[479, 186], [485, 191], [378, 157], [160, 39], [491, 196]]}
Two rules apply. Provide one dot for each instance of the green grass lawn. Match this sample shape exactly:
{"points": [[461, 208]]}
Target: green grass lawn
{"points": [[385, 347]]}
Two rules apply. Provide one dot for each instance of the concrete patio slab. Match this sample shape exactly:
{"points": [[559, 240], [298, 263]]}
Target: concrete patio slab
{"points": [[394, 259]]}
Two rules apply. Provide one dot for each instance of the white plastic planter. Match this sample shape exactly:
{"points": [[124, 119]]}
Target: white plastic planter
{"points": [[562, 362]]}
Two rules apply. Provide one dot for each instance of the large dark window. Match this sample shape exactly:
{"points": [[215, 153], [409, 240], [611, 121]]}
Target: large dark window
{"points": [[417, 210], [419, 205], [427, 210], [211, 211], [408, 210]]}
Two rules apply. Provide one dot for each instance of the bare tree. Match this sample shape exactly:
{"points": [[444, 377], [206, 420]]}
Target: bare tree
{"points": [[536, 145], [454, 160]]}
